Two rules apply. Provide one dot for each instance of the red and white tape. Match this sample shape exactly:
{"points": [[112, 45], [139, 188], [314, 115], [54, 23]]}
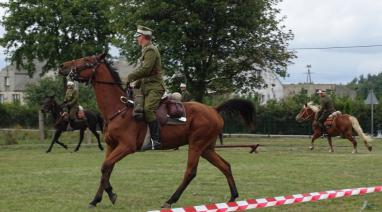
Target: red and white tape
{"points": [[275, 201]]}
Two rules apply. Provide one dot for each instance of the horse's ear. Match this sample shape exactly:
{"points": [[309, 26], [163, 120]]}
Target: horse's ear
{"points": [[306, 105], [102, 56]]}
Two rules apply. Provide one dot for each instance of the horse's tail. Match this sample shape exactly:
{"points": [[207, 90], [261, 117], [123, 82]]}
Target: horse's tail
{"points": [[244, 107], [100, 121], [358, 129]]}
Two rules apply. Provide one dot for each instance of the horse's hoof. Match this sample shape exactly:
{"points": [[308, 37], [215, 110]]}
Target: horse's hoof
{"points": [[113, 198], [91, 206], [166, 205], [311, 148], [331, 150], [47, 151], [101, 148], [354, 152], [370, 148]]}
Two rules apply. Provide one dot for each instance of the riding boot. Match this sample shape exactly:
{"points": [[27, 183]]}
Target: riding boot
{"points": [[154, 143], [323, 129]]}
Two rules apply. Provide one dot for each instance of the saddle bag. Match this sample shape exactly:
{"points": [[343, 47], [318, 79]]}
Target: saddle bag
{"points": [[175, 109], [138, 104]]}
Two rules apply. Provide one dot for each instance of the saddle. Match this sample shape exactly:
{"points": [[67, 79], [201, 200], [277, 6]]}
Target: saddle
{"points": [[171, 112], [328, 123]]}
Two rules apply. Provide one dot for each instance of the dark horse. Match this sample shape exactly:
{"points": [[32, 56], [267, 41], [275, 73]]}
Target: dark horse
{"points": [[342, 124], [50, 104], [124, 135]]}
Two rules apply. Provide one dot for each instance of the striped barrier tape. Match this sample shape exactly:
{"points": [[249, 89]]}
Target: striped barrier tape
{"points": [[275, 201]]}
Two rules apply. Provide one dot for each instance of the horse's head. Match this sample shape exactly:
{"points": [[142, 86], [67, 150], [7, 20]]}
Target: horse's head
{"points": [[306, 113], [82, 69], [48, 104]]}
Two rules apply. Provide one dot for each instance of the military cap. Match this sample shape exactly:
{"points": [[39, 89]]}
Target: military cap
{"points": [[70, 83], [182, 85], [142, 30], [319, 91]]}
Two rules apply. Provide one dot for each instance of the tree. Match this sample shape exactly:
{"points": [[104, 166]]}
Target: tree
{"points": [[54, 31], [216, 45], [35, 93]]}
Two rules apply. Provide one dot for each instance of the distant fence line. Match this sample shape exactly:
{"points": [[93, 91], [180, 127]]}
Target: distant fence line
{"points": [[225, 135]]}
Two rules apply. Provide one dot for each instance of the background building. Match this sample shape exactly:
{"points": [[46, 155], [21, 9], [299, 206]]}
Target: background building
{"points": [[309, 89]]}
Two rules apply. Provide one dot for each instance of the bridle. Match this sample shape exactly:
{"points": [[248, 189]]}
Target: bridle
{"points": [[308, 116], [74, 75], [75, 70]]}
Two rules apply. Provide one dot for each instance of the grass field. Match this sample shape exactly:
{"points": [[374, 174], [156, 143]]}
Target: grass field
{"points": [[31, 180]]}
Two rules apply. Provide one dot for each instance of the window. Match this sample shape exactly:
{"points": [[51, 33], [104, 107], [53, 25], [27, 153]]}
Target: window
{"points": [[6, 82], [1, 98], [16, 98]]}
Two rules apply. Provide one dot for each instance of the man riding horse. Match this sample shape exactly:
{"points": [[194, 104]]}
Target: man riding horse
{"points": [[150, 81], [327, 108], [71, 105]]}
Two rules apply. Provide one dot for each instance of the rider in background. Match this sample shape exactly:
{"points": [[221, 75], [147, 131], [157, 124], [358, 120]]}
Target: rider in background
{"points": [[327, 108], [71, 104], [186, 96], [149, 74]]}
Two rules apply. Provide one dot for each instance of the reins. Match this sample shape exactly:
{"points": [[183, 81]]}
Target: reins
{"points": [[74, 75], [309, 116]]}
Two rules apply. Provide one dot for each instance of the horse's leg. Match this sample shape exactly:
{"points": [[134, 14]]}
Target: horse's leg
{"points": [[192, 166], [225, 168], [113, 156], [95, 133], [81, 139], [330, 143], [315, 136], [351, 138], [57, 134]]}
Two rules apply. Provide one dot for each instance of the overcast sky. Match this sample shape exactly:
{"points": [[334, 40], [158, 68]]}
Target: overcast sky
{"points": [[327, 23]]}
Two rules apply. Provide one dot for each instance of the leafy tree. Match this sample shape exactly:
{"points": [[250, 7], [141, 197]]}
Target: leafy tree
{"points": [[35, 93], [54, 31], [216, 45]]}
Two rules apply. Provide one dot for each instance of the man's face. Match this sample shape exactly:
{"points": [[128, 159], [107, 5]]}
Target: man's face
{"points": [[182, 88], [140, 39]]}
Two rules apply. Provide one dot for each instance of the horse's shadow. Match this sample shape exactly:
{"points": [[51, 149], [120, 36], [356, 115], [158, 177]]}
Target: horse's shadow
{"points": [[50, 105]]}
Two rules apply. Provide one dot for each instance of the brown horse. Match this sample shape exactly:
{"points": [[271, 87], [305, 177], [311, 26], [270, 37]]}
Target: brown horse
{"points": [[124, 135], [342, 124]]}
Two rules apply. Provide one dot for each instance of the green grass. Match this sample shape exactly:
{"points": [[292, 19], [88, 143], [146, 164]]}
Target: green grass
{"points": [[31, 180]]}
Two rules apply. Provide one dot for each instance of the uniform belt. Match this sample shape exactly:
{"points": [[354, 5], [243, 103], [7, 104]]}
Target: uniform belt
{"points": [[154, 72]]}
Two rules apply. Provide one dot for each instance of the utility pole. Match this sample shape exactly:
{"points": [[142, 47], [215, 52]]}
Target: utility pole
{"points": [[308, 74]]}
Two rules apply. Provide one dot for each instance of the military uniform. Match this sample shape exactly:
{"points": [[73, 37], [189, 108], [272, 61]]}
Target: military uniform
{"points": [[71, 102], [150, 80], [149, 74], [186, 96], [327, 108]]}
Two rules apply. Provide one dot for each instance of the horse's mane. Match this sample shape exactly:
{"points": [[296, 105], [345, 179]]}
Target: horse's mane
{"points": [[114, 73], [312, 106]]}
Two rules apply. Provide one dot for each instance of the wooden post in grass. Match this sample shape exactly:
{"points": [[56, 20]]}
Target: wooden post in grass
{"points": [[41, 126], [88, 136]]}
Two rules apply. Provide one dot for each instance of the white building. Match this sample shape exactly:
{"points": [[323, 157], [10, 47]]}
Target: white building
{"points": [[13, 83], [273, 88]]}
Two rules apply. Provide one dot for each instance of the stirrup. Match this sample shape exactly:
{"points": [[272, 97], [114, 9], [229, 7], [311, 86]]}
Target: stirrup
{"points": [[152, 145]]}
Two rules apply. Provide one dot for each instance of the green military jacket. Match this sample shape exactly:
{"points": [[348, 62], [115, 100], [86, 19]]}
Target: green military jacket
{"points": [[149, 71], [326, 104], [72, 98], [186, 96]]}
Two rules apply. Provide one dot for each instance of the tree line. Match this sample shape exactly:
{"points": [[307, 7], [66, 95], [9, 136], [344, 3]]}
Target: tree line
{"points": [[275, 117], [218, 45]]}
